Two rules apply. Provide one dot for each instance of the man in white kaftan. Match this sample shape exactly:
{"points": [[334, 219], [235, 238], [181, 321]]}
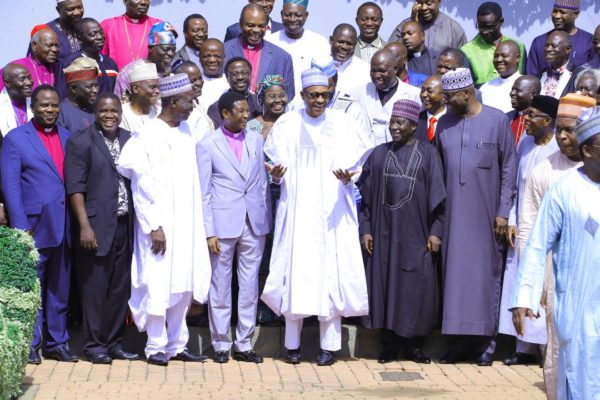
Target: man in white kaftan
{"points": [[496, 93], [316, 264], [378, 97], [568, 224], [170, 264], [144, 100], [533, 149], [301, 43], [353, 73]]}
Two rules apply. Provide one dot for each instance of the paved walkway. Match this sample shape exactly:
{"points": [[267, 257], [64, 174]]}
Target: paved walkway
{"points": [[347, 379]]}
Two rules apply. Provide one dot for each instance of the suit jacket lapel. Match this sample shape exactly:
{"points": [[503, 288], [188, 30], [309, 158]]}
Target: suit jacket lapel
{"points": [[37, 144], [224, 148], [99, 142]]}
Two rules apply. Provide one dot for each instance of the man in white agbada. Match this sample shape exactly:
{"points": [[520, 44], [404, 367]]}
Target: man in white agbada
{"points": [[316, 264], [301, 43], [534, 148], [496, 93], [144, 102], [212, 60], [379, 96], [170, 264], [353, 73], [568, 224], [199, 122]]}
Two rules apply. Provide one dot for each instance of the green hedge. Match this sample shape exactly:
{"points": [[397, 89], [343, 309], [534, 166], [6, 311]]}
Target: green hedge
{"points": [[19, 304]]}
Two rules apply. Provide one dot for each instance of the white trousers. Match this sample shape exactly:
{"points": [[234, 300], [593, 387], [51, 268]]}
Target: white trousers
{"points": [[330, 333], [169, 333]]}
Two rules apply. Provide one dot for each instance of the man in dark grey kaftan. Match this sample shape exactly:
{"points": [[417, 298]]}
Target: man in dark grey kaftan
{"points": [[401, 225], [478, 155]]}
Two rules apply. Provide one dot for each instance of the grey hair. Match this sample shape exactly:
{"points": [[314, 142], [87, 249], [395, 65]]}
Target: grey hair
{"points": [[592, 71]]}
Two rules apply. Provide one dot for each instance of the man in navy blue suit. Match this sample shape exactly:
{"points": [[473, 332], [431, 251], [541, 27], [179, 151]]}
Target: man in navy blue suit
{"points": [[264, 57], [234, 30], [31, 166]]}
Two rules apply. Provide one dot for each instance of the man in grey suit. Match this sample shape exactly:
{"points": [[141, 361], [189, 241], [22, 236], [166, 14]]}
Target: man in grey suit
{"points": [[236, 219], [195, 31]]}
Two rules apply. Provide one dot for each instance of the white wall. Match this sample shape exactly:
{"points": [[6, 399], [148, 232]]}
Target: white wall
{"points": [[524, 19]]}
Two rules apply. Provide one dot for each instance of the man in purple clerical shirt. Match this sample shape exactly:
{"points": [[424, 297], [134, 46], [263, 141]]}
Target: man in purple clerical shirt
{"points": [[237, 218]]}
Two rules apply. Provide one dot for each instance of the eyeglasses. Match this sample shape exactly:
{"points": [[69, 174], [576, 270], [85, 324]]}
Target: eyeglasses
{"points": [[279, 97], [316, 95], [532, 115], [239, 74]]}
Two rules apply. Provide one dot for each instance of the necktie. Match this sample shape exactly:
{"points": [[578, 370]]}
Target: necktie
{"points": [[518, 125], [431, 129]]}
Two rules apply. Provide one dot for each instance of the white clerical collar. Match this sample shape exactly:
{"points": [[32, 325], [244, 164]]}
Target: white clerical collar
{"points": [[48, 130], [417, 54], [134, 20]]}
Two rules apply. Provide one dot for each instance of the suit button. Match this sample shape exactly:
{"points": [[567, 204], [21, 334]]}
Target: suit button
{"points": [[62, 202], [245, 192]]}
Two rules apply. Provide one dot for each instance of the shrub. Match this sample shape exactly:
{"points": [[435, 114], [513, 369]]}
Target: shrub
{"points": [[19, 305]]}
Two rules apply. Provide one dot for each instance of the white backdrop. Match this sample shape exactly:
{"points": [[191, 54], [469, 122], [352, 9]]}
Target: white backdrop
{"points": [[524, 19]]}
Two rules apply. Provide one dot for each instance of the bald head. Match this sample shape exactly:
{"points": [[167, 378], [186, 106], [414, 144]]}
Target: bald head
{"points": [[506, 58], [557, 49], [523, 90], [432, 94], [18, 82], [384, 67], [252, 9], [212, 57], [45, 46], [399, 51], [253, 22]]}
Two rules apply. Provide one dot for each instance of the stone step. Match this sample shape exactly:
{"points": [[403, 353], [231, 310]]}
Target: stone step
{"points": [[269, 341]]}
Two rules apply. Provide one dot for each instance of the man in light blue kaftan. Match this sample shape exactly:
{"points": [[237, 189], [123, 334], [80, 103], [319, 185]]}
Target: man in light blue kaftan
{"points": [[568, 224]]}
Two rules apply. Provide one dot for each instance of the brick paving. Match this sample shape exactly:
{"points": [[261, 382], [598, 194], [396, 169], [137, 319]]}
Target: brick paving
{"points": [[347, 379]]}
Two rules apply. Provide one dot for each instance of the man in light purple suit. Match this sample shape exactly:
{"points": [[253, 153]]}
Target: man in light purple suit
{"points": [[237, 218]]}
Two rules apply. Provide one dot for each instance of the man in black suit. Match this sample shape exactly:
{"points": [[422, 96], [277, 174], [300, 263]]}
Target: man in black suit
{"points": [[101, 201], [235, 30]]}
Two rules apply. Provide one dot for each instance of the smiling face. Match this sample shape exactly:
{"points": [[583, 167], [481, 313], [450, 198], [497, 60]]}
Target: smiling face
{"points": [[564, 19], [506, 59], [342, 43], [557, 49], [236, 119], [108, 114], [315, 99], [254, 23], [522, 93], [275, 100], [18, 82], [428, 10], [293, 18], [383, 70], [70, 12], [413, 37], [162, 55], [212, 57], [432, 94], [196, 33], [402, 129], [536, 121], [145, 92], [84, 93], [46, 47], [193, 73], [238, 76], [369, 20], [46, 108]]}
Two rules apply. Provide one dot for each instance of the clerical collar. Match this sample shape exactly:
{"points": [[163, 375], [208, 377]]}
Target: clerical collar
{"points": [[231, 134], [248, 47], [39, 128], [135, 20], [417, 54], [391, 88]]}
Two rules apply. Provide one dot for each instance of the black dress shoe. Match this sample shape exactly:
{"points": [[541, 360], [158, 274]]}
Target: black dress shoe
{"points": [[60, 354], [325, 358], [221, 357], [34, 357], [186, 356], [521, 359], [419, 356], [98, 358], [387, 356], [120, 354], [159, 359], [247, 356], [293, 356], [452, 357], [485, 360]]}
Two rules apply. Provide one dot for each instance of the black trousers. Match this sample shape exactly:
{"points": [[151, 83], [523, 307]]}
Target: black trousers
{"points": [[392, 342], [105, 287]]}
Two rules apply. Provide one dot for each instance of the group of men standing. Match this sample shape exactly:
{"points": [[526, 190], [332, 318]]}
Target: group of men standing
{"points": [[454, 173]]}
